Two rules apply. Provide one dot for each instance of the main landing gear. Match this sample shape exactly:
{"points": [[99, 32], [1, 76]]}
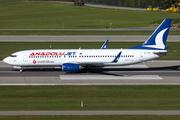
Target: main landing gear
{"points": [[87, 69], [21, 70]]}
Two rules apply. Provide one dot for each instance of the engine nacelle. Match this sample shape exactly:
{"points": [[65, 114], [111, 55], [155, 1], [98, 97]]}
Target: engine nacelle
{"points": [[70, 67]]}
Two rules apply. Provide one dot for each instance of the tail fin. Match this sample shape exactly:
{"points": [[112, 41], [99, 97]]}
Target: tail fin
{"points": [[158, 39]]}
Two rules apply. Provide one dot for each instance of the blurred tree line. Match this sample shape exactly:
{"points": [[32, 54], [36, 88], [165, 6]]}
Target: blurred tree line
{"points": [[136, 3]]}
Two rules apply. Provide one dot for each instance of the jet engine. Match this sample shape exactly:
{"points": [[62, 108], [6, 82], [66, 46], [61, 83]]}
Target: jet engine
{"points": [[71, 67]]}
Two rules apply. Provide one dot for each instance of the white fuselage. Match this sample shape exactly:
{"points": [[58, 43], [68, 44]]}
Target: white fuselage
{"points": [[84, 57]]}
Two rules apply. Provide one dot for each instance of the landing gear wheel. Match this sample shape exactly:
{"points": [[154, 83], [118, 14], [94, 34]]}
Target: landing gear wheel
{"points": [[87, 69]]}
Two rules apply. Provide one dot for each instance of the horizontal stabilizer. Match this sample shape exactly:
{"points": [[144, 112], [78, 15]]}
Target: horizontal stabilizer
{"points": [[159, 52]]}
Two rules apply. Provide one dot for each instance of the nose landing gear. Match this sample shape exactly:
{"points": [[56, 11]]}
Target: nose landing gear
{"points": [[18, 67]]}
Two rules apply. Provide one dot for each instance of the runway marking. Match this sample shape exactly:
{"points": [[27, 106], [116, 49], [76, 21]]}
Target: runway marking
{"points": [[9, 72], [109, 77]]}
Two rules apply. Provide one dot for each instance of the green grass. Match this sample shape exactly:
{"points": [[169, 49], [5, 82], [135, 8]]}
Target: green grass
{"points": [[11, 1], [7, 32], [93, 117], [7, 48], [94, 98], [51, 15]]}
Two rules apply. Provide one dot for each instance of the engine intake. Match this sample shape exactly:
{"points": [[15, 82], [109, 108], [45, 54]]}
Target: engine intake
{"points": [[70, 67]]}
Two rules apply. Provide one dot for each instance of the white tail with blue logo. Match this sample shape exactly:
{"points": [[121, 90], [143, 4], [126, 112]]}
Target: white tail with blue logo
{"points": [[158, 39]]}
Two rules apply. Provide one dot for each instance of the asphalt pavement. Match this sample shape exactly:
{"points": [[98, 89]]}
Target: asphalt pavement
{"points": [[80, 38], [148, 73]]}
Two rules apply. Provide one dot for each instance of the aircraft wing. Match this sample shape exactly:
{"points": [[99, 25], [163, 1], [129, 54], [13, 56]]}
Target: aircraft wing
{"points": [[85, 63]]}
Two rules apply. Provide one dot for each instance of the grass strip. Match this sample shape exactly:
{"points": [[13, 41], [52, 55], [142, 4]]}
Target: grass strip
{"points": [[7, 48], [94, 98], [11, 1], [54, 15], [19, 32], [92, 117]]}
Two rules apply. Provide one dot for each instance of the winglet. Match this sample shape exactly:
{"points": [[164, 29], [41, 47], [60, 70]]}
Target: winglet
{"points": [[117, 58], [105, 45]]}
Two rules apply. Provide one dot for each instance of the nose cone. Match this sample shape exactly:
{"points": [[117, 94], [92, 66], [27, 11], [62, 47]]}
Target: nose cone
{"points": [[6, 60]]}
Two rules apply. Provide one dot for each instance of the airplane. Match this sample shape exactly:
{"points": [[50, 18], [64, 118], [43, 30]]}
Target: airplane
{"points": [[76, 59]]}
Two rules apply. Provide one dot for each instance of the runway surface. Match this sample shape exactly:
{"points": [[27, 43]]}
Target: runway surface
{"points": [[149, 73], [71, 38], [95, 112]]}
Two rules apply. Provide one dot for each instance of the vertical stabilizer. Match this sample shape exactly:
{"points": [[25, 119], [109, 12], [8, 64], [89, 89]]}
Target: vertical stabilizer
{"points": [[159, 37]]}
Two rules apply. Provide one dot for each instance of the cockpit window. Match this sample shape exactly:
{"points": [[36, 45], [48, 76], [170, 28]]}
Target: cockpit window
{"points": [[13, 55]]}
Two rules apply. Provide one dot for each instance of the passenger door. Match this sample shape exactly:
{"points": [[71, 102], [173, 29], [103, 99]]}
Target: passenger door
{"points": [[24, 56]]}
